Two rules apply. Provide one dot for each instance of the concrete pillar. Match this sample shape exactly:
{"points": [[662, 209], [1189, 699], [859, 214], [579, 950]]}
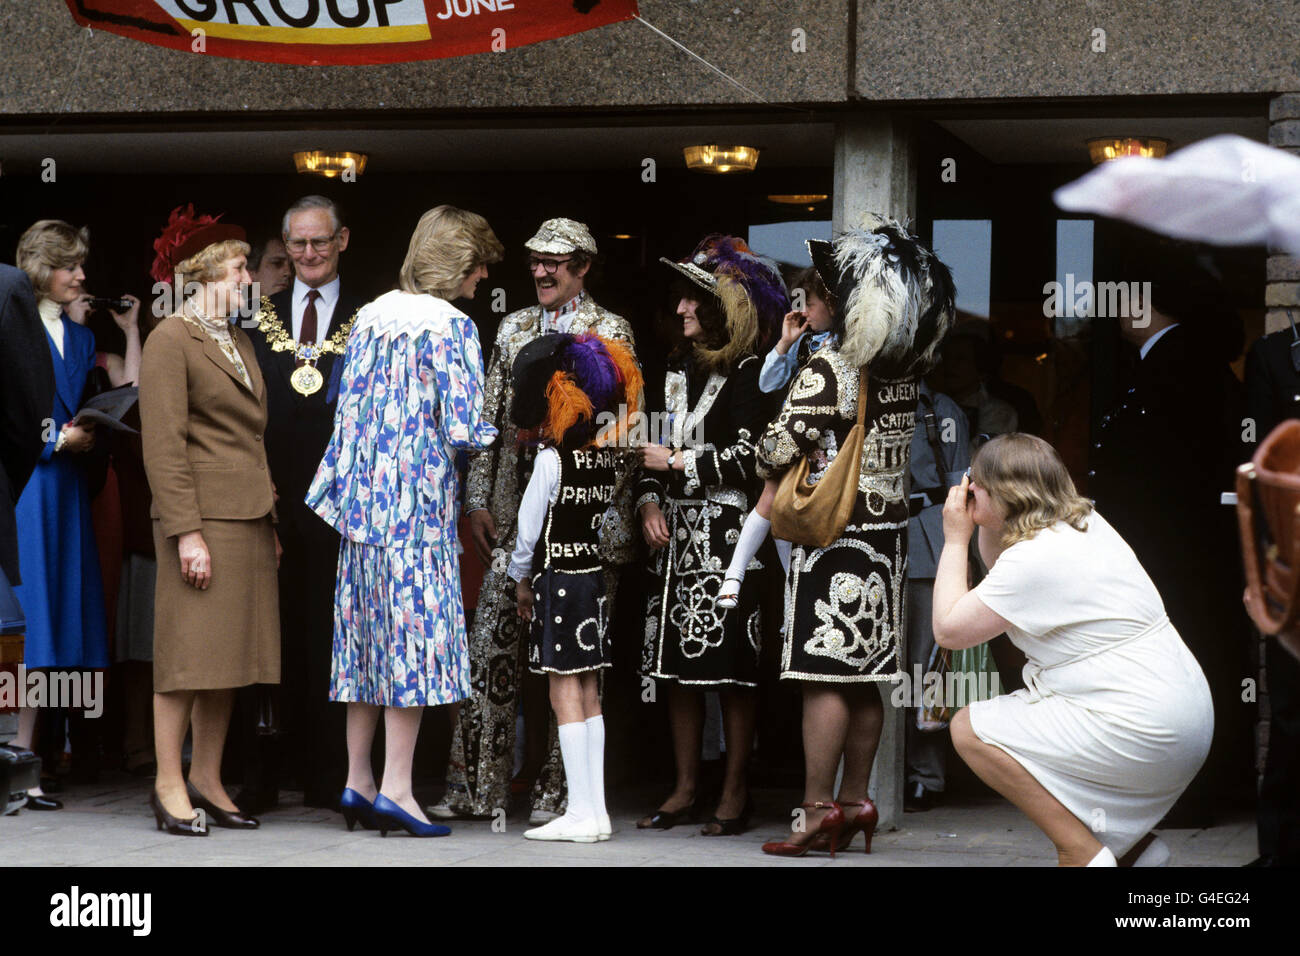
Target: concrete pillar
{"points": [[875, 171]]}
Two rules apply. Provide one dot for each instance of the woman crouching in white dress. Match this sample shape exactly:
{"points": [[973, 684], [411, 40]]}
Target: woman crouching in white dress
{"points": [[1115, 718]]}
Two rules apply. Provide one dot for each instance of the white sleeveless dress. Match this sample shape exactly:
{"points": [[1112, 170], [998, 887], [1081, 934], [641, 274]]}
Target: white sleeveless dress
{"points": [[1115, 719]]}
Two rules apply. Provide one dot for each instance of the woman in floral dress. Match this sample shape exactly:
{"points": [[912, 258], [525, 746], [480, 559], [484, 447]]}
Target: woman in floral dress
{"points": [[412, 398]]}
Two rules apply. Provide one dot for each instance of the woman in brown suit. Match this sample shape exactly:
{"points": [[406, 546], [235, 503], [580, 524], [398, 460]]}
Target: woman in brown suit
{"points": [[202, 414]]}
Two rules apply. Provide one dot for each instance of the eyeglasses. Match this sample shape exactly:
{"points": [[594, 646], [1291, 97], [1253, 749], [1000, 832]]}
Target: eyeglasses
{"points": [[318, 243], [550, 265]]}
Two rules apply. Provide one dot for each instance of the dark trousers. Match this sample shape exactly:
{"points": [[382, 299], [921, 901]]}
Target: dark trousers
{"points": [[309, 747], [1279, 792]]}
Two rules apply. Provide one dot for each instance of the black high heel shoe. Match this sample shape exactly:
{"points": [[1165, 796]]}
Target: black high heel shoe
{"points": [[170, 823], [733, 827], [667, 819], [222, 818]]}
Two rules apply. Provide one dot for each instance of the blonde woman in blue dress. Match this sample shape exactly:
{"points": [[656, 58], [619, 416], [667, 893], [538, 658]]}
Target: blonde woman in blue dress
{"points": [[1115, 717], [411, 398]]}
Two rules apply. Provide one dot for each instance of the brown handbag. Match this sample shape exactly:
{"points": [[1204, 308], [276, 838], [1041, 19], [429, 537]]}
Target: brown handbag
{"points": [[814, 515], [1268, 513]]}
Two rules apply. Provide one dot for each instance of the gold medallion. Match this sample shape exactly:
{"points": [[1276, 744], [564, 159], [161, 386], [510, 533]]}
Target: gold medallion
{"points": [[306, 380]]}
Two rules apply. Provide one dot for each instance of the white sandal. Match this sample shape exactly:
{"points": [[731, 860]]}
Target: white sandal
{"points": [[729, 597]]}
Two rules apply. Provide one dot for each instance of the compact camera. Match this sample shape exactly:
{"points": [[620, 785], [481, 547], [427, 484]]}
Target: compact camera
{"points": [[116, 304]]}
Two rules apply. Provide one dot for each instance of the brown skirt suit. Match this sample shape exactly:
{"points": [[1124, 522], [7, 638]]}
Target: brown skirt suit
{"points": [[202, 430]]}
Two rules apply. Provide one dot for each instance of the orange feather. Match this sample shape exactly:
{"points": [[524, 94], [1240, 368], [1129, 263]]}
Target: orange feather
{"points": [[568, 405]]}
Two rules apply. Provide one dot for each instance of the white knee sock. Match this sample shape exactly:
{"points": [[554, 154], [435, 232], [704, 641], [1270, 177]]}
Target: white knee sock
{"points": [[751, 537], [573, 748], [783, 552], [596, 762]]}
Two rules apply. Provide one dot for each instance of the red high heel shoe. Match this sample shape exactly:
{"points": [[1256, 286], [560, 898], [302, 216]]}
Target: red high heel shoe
{"points": [[829, 827], [864, 821]]}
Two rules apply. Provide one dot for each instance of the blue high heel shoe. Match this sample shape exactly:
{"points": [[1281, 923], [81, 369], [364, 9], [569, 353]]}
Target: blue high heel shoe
{"points": [[357, 809], [389, 816]]}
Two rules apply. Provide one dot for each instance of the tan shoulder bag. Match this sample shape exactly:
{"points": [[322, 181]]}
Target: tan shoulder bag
{"points": [[1268, 510], [814, 515]]}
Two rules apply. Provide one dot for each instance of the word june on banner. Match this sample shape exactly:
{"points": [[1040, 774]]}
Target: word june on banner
{"points": [[359, 32]]}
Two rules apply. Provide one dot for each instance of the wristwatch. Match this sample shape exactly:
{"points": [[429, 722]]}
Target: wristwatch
{"points": [[671, 458]]}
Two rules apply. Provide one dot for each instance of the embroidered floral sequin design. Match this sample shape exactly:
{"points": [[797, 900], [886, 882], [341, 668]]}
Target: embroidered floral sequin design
{"points": [[844, 613], [688, 637]]}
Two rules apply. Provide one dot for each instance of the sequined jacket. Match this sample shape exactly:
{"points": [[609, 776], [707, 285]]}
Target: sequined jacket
{"points": [[716, 433], [496, 477], [819, 412]]}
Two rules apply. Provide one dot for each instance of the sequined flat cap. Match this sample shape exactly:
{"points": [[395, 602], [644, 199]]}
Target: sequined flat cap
{"points": [[562, 236]]}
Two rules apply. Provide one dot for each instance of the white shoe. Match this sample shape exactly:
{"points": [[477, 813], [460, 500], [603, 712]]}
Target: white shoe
{"points": [[729, 594], [568, 829], [440, 811], [1156, 854], [538, 817], [605, 828], [1104, 858]]}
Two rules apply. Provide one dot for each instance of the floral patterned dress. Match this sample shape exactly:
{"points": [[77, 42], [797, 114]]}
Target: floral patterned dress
{"points": [[411, 398]]}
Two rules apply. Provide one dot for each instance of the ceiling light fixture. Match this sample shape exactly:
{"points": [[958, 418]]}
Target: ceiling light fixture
{"points": [[1107, 148], [798, 199], [331, 163], [721, 159]]}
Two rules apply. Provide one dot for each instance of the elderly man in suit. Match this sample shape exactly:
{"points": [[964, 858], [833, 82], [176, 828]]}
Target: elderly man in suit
{"points": [[300, 337], [482, 754]]}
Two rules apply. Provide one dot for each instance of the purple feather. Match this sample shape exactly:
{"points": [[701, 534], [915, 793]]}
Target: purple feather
{"points": [[593, 369], [729, 255]]}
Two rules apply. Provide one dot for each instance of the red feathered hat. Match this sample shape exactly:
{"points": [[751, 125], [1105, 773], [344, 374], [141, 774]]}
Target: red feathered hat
{"points": [[185, 235]]}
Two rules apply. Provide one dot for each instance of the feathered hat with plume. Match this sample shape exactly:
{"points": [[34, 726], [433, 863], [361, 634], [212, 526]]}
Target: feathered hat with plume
{"points": [[185, 235], [750, 290], [896, 298], [564, 383]]}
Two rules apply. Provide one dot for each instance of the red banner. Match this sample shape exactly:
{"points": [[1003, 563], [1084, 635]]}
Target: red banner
{"points": [[347, 32]]}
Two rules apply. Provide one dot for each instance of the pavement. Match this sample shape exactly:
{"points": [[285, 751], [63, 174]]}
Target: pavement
{"points": [[110, 824]]}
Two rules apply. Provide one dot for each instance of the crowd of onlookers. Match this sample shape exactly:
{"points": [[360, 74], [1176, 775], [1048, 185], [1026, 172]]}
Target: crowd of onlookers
{"points": [[186, 555]]}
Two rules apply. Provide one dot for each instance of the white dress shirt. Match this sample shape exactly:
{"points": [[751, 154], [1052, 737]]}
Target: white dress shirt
{"points": [[329, 297], [1149, 343], [542, 491]]}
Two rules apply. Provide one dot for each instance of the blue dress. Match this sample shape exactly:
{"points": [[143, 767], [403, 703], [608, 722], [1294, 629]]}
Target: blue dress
{"points": [[411, 397], [62, 595]]}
